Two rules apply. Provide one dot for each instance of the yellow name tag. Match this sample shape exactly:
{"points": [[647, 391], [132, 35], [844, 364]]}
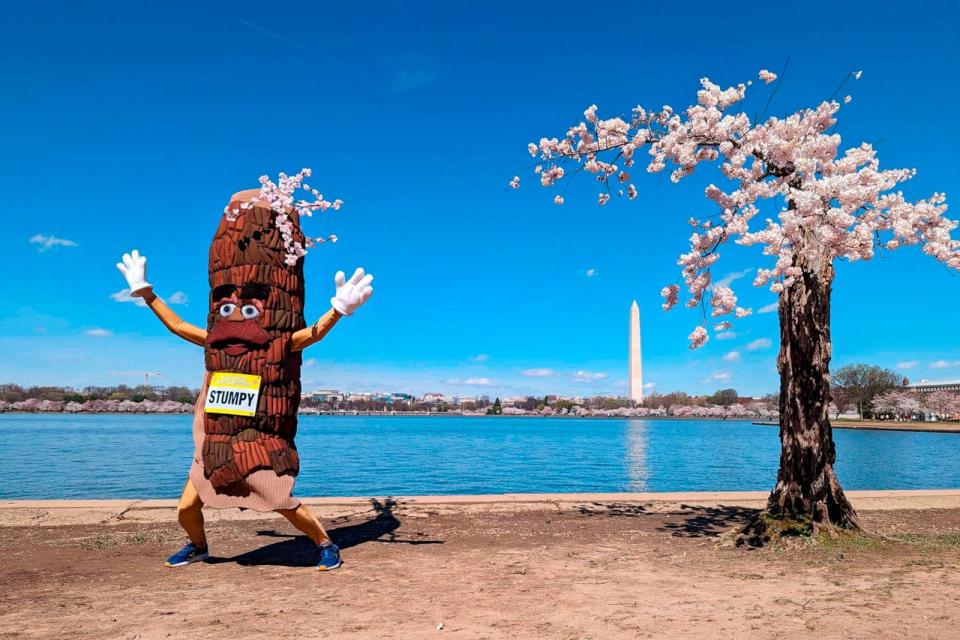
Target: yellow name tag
{"points": [[232, 393]]}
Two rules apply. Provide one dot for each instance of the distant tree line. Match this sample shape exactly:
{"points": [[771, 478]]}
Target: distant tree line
{"points": [[876, 393], [15, 393], [364, 404], [719, 398]]}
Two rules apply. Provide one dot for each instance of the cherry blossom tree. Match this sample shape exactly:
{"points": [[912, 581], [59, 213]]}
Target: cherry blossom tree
{"points": [[901, 405], [815, 204], [943, 404]]}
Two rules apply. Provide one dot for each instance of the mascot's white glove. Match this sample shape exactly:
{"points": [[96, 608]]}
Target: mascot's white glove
{"points": [[351, 293], [134, 269]]}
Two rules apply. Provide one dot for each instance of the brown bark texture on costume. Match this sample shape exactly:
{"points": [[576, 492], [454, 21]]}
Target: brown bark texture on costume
{"points": [[807, 487], [250, 250]]}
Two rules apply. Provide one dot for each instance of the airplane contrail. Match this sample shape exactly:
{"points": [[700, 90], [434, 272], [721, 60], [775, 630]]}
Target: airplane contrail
{"points": [[300, 46]]}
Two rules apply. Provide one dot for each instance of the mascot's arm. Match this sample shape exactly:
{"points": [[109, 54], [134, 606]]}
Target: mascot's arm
{"points": [[187, 331], [306, 337], [350, 294], [133, 266]]}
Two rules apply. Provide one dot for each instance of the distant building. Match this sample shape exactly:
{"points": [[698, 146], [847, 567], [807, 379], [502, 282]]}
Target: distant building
{"points": [[926, 386], [432, 397], [326, 395]]}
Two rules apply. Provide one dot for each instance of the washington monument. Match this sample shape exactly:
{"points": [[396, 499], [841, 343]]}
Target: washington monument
{"points": [[636, 362]]}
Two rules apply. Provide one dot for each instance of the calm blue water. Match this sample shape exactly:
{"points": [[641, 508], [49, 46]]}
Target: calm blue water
{"points": [[112, 456]]}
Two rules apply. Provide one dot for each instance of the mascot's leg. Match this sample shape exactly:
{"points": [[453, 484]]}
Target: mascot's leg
{"points": [[304, 520], [190, 515]]}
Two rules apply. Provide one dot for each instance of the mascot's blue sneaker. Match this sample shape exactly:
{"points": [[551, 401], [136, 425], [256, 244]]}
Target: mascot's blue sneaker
{"points": [[329, 557], [190, 553]]}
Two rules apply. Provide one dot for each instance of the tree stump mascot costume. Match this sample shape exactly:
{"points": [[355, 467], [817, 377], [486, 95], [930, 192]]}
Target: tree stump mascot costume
{"points": [[246, 416]]}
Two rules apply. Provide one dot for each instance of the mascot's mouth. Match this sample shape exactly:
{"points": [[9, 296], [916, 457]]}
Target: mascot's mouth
{"points": [[234, 348], [237, 338]]}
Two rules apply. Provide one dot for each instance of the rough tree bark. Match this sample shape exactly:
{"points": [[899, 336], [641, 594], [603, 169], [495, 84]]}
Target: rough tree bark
{"points": [[807, 492]]}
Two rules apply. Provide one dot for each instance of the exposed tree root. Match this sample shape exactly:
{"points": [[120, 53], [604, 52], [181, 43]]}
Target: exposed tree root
{"points": [[767, 529]]}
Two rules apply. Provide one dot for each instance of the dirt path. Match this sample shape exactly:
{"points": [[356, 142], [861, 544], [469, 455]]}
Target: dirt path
{"points": [[591, 570]]}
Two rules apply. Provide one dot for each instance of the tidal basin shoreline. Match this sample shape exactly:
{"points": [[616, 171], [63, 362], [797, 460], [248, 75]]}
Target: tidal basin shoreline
{"points": [[876, 425], [113, 511]]}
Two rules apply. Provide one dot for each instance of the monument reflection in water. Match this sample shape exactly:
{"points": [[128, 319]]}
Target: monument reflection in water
{"points": [[637, 471]]}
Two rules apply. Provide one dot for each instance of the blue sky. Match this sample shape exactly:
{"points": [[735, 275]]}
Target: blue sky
{"points": [[128, 126]]}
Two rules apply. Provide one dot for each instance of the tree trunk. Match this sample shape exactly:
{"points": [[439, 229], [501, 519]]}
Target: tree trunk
{"points": [[807, 492], [807, 487]]}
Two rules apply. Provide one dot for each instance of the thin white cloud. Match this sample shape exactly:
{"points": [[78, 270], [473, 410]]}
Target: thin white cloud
{"points": [[178, 297], [909, 364], [759, 343], [588, 376], [411, 71], [733, 356], [310, 362], [944, 364], [540, 372], [768, 308], [48, 242], [726, 280], [726, 335], [97, 332], [591, 273], [648, 386], [480, 357], [480, 382], [124, 296], [719, 376]]}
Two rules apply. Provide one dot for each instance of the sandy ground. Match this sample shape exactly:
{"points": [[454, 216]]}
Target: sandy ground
{"points": [[522, 568]]}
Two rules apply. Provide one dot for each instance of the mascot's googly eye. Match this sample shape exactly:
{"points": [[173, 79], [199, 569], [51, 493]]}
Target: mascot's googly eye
{"points": [[249, 311], [227, 309]]}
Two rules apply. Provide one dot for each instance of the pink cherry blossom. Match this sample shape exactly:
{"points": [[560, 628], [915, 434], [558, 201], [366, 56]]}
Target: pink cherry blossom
{"points": [[279, 196], [515, 183], [698, 338], [767, 76], [551, 175], [671, 296]]}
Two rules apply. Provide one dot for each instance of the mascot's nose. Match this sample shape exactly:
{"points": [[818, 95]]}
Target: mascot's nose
{"points": [[236, 316]]}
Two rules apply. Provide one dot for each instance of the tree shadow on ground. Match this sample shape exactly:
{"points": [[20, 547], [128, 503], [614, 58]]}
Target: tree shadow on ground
{"points": [[694, 521], [297, 550], [708, 522]]}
